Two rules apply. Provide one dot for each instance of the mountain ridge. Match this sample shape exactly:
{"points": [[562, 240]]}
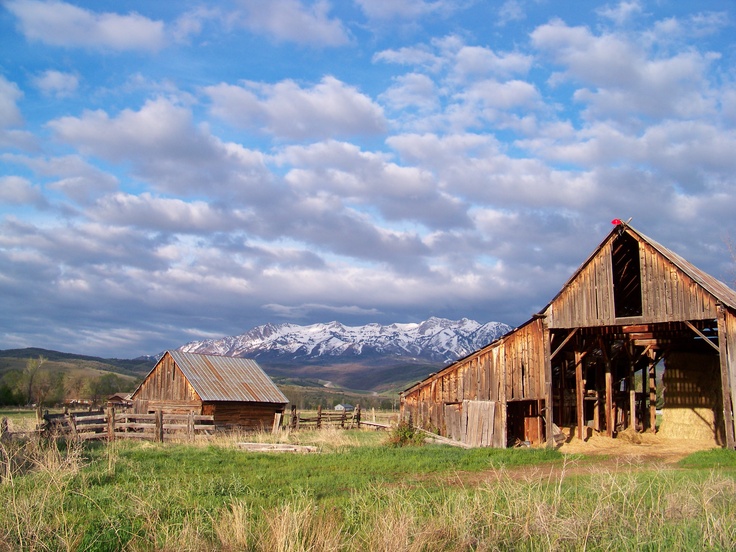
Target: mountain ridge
{"points": [[435, 340]]}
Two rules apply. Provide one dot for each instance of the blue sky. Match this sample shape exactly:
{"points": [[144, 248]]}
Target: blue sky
{"points": [[172, 171]]}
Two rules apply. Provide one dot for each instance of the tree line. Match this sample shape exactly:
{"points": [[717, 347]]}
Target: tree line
{"points": [[35, 385]]}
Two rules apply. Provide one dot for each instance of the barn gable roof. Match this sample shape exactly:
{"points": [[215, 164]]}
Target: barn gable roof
{"points": [[220, 378], [720, 291]]}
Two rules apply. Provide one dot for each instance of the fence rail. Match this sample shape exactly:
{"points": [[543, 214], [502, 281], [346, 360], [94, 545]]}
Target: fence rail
{"points": [[110, 425]]}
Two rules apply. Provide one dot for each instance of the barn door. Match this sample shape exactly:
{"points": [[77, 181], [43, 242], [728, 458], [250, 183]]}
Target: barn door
{"points": [[453, 421], [478, 422]]}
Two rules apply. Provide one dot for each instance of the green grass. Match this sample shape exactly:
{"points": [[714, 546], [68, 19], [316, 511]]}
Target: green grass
{"points": [[358, 494], [723, 459]]}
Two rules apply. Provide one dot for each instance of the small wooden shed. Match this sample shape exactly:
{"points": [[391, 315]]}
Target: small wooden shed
{"points": [[236, 391], [634, 318]]}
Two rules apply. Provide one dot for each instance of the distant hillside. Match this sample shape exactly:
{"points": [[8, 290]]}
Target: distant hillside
{"points": [[134, 368]]}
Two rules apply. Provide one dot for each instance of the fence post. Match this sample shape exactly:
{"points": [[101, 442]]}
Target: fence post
{"points": [[4, 432], [357, 415], [294, 417], [319, 416], [110, 423], [343, 417], [73, 426], [190, 425], [158, 432]]}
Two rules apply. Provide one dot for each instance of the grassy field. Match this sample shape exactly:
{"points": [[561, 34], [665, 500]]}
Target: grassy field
{"points": [[357, 493]]}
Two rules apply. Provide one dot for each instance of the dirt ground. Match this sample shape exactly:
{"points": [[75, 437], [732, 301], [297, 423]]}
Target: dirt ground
{"points": [[601, 454], [637, 446]]}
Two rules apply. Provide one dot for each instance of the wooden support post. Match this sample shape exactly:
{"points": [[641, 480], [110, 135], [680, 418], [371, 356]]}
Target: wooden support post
{"points": [[4, 432], [549, 425], [294, 417], [609, 389], [158, 432], [580, 394], [357, 415], [653, 397], [632, 394], [319, 416], [343, 417], [728, 393], [644, 391]]}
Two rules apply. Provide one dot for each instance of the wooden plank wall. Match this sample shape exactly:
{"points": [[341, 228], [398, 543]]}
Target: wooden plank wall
{"points": [[243, 415], [509, 369], [166, 383], [668, 294]]}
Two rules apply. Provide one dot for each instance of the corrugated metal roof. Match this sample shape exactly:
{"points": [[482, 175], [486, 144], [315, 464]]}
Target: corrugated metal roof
{"points": [[220, 378]]}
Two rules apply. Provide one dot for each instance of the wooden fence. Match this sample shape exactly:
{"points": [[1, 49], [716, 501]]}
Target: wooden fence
{"points": [[331, 418], [110, 425]]}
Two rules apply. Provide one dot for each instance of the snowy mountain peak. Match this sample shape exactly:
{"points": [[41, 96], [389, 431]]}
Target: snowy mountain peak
{"points": [[434, 340]]}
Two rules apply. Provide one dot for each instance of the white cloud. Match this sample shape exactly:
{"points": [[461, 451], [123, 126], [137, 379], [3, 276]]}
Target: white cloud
{"points": [[502, 95], [166, 148], [412, 90], [293, 21], [61, 24], [623, 80], [421, 56], [15, 190], [57, 83], [330, 108], [9, 113], [77, 179], [359, 178], [402, 9], [165, 214], [476, 60], [510, 10], [622, 12]]}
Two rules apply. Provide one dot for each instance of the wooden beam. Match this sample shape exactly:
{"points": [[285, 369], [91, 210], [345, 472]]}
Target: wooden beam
{"points": [[564, 342], [705, 338]]}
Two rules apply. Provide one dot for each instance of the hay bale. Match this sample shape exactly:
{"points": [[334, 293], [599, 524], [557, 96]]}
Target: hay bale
{"points": [[692, 398]]}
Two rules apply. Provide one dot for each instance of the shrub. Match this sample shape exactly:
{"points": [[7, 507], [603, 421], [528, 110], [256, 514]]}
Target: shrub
{"points": [[405, 434]]}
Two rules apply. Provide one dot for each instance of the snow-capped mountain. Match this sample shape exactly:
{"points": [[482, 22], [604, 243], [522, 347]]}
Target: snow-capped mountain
{"points": [[434, 340]]}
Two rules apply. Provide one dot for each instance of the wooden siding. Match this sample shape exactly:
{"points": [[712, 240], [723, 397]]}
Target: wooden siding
{"points": [[511, 369], [668, 294], [243, 415], [166, 383]]}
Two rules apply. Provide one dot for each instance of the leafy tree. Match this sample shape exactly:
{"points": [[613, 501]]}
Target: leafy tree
{"points": [[30, 372]]}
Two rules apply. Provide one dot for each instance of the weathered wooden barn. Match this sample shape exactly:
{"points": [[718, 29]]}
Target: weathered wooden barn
{"points": [[634, 315], [236, 391]]}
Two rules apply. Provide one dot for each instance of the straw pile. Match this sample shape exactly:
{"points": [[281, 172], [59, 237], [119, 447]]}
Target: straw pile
{"points": [[691, 397]]}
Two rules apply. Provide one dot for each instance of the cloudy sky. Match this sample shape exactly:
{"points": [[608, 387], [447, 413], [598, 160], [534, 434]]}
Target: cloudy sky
{"points": [[172, 171]]}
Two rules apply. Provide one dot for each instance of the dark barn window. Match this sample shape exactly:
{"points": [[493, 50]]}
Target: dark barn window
{"points": [[626, 277]]}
